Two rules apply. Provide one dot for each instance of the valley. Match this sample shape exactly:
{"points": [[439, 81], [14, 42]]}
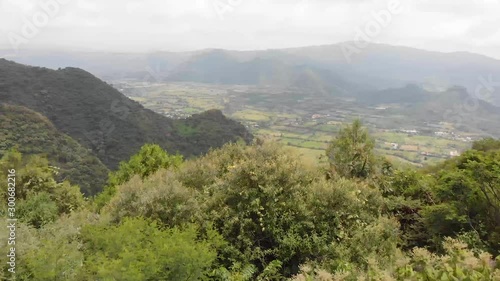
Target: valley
{"points": [[308, 119]]}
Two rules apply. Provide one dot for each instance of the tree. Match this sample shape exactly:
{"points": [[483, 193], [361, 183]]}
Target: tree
{"points": [[350, 154], [407, 192], [276, 213], [149, 159], [52, 252], [40, 198], [486, 144], [160, 197], [255, 197], [137, 249]]}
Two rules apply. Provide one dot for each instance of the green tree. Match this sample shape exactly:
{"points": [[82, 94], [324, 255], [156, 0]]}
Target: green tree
{"points": [[408, 192], [137, 249], [486, 144], [350, 154], [467, 194], [39, 197], [38, 209], [149, 159], [161, 197], [33, 134], [255, 196], [276, 213], [348, 220]]}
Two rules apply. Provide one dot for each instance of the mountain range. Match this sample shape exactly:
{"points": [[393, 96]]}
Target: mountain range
{"points": [[323, 68]]}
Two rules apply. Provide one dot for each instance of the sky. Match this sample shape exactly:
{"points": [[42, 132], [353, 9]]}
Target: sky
{"points": [[185, 25]]}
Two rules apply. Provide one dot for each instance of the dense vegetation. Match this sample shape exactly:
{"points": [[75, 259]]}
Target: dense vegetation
{"points": [[259, 212], [101, 118], [31, 133]]}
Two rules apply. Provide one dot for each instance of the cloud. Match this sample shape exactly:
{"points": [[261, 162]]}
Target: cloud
{"points": [[133, 25]]}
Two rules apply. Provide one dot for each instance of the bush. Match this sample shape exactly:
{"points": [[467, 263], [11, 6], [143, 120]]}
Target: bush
{"points": [[137, 249], [160, 197]]}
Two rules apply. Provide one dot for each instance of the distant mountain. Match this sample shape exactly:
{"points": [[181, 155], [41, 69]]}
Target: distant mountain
{"points": [[221, 67], [101, 118], [409, 94], [103, 65], [323, 68], [385, 66], [32, 133], [454, 105]]}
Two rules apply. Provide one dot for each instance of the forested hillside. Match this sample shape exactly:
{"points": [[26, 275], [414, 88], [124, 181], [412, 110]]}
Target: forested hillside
{"points": [[101, 118], [259, 212], [33, 134]]}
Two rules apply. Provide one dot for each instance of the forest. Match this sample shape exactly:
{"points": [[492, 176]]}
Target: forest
{"points": [[259, 212]]}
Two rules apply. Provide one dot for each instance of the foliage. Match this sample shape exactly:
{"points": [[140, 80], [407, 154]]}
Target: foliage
{"points": [[160, 197], [457, 263], [259, 212], [52, 252], [38, 209], [254, 196], [270, 207], [407, 193], [40, 198], [236, 273], [33, 134], [486, 144], [351, 152], [147, 161], [456, 198], [138, 249], [467, 198]]}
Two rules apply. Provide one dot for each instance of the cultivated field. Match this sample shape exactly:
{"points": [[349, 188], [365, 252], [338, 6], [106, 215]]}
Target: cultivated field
{"points": [[304, 121]]}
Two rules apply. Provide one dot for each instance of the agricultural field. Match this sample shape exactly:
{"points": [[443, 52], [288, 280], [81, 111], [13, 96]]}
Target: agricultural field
{"points": [[302, 122]]}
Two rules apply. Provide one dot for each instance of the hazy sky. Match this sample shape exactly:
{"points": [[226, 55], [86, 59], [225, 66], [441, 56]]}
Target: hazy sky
{"points": [[148, 25]]}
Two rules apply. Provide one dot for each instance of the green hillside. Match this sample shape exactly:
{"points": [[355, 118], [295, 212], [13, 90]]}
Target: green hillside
{"points": [[33, 134], [101, 118]]}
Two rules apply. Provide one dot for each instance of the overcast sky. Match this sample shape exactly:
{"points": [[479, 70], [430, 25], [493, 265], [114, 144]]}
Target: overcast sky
{"points": [[178, 25]]}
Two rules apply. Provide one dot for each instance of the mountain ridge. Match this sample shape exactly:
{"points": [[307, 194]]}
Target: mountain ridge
{"points": [[103, 119], [378, 66], [31, 133]]}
